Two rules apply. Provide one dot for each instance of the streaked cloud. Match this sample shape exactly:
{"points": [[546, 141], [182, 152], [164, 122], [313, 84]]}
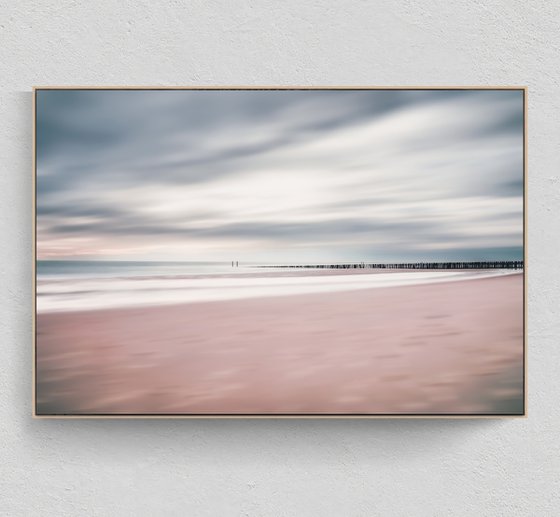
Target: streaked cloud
{"points": [[279, 176]]}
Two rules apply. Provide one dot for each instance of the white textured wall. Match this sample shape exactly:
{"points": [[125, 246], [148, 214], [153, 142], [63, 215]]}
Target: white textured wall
{"points": [[290, 467]]}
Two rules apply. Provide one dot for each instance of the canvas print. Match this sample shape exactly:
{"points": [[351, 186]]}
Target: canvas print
{"points": [[279, 252]]}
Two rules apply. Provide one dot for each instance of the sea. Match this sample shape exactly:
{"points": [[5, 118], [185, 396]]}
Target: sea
{"points": [[77, 285]]}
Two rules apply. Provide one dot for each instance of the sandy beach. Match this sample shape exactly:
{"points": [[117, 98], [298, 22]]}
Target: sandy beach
{"points": [[448, 348]]}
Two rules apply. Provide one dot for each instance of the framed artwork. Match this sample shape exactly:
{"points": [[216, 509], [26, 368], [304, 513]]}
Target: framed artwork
{"points": [[279, 252]]}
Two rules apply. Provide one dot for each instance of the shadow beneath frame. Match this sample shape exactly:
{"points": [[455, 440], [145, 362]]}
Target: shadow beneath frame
{"points": [[250, 441]]}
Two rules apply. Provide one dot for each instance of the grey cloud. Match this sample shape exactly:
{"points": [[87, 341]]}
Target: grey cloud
{"points": [[80, 127], [357, 230], [71, 210], [272, 230], [511, 188]]}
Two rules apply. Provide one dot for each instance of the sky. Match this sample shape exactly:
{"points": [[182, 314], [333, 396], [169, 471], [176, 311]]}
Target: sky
{"points": [[280, 176]]}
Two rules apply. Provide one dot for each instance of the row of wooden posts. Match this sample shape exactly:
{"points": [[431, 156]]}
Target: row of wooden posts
{"points": [[497, 264]]}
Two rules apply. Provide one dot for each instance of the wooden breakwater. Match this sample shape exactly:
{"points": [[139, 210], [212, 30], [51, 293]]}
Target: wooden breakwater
{"points": [[497, 264]]}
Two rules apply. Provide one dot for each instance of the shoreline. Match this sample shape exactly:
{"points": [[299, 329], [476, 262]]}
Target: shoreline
{"points": [[446, 348], [85, 294]]}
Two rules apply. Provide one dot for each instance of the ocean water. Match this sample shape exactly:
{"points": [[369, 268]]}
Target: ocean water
{"points": [[84, 285], [119, 268]]}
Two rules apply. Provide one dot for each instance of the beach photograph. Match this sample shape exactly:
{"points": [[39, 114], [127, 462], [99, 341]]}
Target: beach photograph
{"points": [[279, 252]]}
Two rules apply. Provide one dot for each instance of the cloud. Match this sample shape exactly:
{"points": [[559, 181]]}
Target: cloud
{"points": [[208, 174]]}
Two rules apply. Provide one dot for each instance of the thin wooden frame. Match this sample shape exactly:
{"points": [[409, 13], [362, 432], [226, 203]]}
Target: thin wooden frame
{"points": [[36, 89]]}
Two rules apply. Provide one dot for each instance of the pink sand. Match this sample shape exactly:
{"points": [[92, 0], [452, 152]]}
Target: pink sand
{"points": [[452, 348]]}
